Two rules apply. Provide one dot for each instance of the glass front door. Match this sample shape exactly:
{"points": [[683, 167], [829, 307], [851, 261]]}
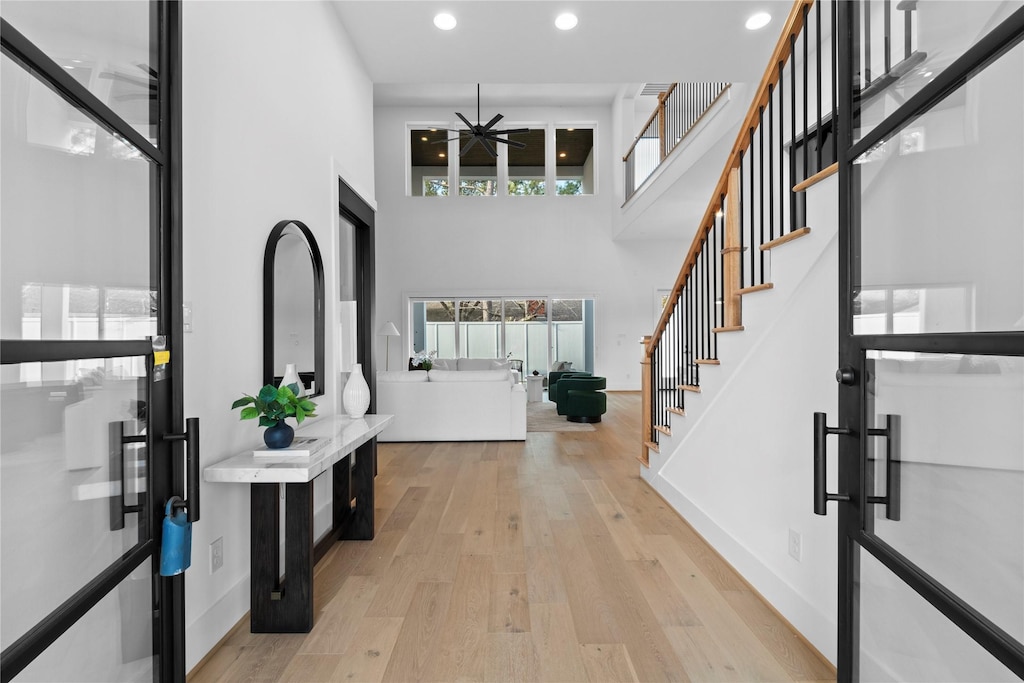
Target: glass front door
{"points": [[931, 398], [89, 355]]}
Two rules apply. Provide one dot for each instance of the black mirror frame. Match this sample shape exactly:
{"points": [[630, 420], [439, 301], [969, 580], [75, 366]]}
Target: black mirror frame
{"points": [[319, 373]]}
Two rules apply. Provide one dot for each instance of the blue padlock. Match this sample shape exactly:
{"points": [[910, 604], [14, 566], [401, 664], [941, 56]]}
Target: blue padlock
{"points": [[176, 547]]}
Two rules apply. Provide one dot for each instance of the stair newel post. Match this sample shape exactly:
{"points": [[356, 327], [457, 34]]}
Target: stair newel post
{"points": [[731, 254], [645, 393]]}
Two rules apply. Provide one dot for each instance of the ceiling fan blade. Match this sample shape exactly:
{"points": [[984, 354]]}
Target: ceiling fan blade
{"points": [[472, 141], [465, 120], [510, 143], [438, 142], [510, 131], [497, 117], [490, 150]]}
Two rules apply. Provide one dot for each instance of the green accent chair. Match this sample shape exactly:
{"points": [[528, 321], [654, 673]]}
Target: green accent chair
{"points": [[582, 399], [555, 375]]}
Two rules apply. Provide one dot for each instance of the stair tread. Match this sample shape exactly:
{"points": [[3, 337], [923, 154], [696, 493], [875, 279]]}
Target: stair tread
{"points": [[689, 387], [663, 429], [677, 411], [707, 361], [788, 237], [756, 288], [653, 446], [732, 328]]}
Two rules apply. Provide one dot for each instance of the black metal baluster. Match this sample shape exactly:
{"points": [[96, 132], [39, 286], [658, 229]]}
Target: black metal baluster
{"points": [[706, 341], [782, 148], [760, 196], [834, 73], [740, 217], [792, 132], [806, 91], [818, 139], [867, 45], [887, 38], [908, 28], [771, 169], [752, 157]]}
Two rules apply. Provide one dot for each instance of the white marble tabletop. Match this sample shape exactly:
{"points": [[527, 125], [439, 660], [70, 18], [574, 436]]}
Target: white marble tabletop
{"points": [[347, 434]]}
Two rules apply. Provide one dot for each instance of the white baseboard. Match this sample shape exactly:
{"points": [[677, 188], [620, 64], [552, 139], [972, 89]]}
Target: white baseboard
{"points": [[203, 634], [811, 622]]}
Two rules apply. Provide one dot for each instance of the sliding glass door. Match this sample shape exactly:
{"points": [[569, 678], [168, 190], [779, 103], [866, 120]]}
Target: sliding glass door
{"points": [[537, 331]]}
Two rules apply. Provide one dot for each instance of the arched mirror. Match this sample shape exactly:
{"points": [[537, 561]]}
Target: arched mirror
{"points": [[293, 306]]}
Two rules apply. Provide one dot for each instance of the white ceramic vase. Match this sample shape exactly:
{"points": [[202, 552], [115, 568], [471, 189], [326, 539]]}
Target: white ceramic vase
{"points": [[292, 377], [356, 396]]}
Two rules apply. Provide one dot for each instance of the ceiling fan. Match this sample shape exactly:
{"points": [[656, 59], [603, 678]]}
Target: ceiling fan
{"points": [[484, 133]]}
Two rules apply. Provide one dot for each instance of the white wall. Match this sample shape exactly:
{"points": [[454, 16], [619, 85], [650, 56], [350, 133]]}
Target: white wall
{"points": [[738, 466], [276, 105], [518, 246]]}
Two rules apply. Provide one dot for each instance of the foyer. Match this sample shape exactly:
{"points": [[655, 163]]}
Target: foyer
{"points": [[543, 560]]}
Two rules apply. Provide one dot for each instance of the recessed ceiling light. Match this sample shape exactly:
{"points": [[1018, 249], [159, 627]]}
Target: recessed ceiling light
{"points": [[445, 21], [424, 138], [569, 130], [562, 155], [441, 154], [566, 21], [758, 20]]}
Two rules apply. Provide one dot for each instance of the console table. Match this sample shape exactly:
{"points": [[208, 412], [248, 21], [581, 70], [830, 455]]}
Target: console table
{"points": [[351, 458]]}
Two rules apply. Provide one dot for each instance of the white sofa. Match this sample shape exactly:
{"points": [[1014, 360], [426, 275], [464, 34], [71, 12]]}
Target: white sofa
{"points": [[452, 405]]}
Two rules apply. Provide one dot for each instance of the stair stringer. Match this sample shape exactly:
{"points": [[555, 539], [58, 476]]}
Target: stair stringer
{"points": [[738, 465]]}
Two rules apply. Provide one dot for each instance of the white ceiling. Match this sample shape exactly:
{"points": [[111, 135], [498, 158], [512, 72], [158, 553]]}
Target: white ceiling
{"points": [[514, 50]]}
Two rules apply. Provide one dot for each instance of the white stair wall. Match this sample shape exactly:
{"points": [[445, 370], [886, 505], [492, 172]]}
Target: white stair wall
{"points": [[738, 465]]}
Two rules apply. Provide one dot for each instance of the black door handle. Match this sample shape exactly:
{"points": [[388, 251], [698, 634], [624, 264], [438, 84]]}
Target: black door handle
{"points": [[820, 432], [191, 439], [891, 499], [118, 440]]}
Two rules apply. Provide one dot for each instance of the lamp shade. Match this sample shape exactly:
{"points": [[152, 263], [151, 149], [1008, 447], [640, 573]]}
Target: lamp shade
{"points": [[389, 330]]}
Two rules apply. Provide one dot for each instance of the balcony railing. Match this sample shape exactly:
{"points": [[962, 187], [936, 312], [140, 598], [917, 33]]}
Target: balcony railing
{"points": [[678, 111]]}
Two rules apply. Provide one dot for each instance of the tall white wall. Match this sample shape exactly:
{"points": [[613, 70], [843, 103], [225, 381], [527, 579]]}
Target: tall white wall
{"points": [[276, 106], [520, 246]]}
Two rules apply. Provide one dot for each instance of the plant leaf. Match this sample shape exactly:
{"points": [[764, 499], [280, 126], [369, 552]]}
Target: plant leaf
{"points": [[300, 414], [244, 401], [285, 395], [267, 421], [268, 393], [249, 413], [307, 405]]}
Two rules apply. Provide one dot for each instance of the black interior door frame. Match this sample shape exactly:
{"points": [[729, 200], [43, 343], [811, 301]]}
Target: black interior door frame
{"points": [[854, 533], [164, 397]]}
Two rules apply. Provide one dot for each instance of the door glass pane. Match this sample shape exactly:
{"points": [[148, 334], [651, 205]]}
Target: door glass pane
{"points": [[112, 642], [61, 480], [74, 221], [429, 162], [438, 328], [941, 236], [961, 474], [905, 639], [526, 333], [105, 46], [480, 328], [567, 332], [905, 45]]}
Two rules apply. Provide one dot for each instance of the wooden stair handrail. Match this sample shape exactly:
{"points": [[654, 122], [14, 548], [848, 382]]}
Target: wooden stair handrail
{"points": [[793, 26], [650, 119]]}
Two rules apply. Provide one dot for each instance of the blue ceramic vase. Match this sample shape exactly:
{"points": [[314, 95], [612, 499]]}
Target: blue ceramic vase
{"points": [[279, 436]]}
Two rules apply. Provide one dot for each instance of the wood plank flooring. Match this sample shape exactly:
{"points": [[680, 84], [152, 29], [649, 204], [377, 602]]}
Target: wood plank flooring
{"points": [[549, 560]]}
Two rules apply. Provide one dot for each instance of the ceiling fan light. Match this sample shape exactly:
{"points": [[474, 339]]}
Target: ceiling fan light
{"points": [[445, 21], [758, 21], [566, 21]]}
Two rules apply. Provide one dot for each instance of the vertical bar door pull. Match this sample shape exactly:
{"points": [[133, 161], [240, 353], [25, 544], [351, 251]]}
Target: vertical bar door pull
{"points": [[820, 432], [191, 439], [891, 499]]}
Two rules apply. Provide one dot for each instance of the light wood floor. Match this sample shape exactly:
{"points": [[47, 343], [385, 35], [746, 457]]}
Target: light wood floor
{"points": [[549, 560]]}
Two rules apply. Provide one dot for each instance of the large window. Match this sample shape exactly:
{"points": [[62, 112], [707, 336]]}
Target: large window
{"points": [[537, 331], [555, 160]]}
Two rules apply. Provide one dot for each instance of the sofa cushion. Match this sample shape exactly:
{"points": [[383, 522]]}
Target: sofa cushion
{"points": [[399, 376], [476, 364], [445, 364], [469, 376]]}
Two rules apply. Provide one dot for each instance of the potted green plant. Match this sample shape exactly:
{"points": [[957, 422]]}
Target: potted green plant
{"points": [[272, 405]]}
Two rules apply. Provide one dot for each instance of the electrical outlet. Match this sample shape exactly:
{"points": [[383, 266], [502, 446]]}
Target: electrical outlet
{"points": [[217, 554], [794, 545]]}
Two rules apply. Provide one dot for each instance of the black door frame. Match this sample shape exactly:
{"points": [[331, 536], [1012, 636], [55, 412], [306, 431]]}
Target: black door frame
{"points": [[853, 513], [166, 475]]}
